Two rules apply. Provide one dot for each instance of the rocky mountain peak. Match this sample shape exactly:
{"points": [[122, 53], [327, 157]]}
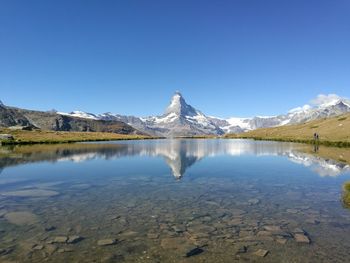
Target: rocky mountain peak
{"points": [[179, 106], [343, 103]]}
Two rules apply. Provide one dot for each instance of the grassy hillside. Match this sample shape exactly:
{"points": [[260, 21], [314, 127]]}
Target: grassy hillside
{"points": [[39, 136], [332, 131]]}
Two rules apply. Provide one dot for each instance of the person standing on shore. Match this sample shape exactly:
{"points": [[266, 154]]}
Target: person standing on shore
{"points": [[316, 136]]}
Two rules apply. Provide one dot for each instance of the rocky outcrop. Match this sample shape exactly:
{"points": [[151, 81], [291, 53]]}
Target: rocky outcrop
{"points": [[11, 117], [15, 117]]}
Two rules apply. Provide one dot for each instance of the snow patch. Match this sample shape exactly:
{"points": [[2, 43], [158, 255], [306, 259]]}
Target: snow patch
{"points": [[80, 114]]}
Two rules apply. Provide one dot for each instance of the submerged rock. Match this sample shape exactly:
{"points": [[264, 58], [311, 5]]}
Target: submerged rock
{"points": [[5, 251], [237, 212], [21, 218], [253, 201], [263, 233], [107, 242], [74, 239], [272, 228], [175, 243], [38, 247], [312, 221], [281, 240], [153, 235], [261, 253], [31, 193], [63, 250], [112, 258], [302, 238], [241, 250], [60, 239], [195, 251], [298, 231], [50, 249], [50, 228]]}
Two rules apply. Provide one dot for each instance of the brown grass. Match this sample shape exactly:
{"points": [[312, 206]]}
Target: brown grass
{"points": [[39, 136]]}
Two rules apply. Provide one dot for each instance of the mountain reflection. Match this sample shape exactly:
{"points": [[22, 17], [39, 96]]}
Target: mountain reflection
{"points": [[179, 154]]}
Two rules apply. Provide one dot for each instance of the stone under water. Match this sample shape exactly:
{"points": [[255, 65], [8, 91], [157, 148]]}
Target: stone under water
{"points": [[31, 193], [21, 218]]}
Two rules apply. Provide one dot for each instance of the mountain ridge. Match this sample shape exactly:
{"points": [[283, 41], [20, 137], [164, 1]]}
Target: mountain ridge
{"points": [[182, 119], [16, 118]]}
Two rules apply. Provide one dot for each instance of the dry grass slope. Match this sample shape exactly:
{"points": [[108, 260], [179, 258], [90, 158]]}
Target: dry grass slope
{"points": [[39, 136], [333, 131]]}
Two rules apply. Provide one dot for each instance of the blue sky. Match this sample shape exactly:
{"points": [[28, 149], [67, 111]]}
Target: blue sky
{"points": [[228, 58]]}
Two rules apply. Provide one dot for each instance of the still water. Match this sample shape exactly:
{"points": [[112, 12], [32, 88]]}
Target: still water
{"points": [[172, 201]]}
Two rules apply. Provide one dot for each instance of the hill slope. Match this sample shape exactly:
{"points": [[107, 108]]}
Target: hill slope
{"points": [[52, 121], [335, 129]]}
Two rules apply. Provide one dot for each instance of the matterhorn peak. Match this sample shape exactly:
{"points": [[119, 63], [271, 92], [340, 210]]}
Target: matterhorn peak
{"points": [[179, 106]]}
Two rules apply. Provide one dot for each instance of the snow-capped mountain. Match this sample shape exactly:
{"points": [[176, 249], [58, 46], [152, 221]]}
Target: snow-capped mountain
{"points": [[181, 119], [303, 114]]}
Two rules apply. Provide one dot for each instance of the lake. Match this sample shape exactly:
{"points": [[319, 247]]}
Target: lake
{"points": [[175, 200]]}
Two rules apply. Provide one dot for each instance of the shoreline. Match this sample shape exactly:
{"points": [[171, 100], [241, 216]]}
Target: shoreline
{"points": [[51, 137], [339, 144], [14, 142], [22, 137]]}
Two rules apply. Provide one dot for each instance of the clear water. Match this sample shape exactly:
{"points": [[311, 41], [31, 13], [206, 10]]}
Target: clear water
{"points": [[171, 201]]}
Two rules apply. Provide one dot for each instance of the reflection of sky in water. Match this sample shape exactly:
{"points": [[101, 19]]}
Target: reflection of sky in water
{"points": [[179, 155]]}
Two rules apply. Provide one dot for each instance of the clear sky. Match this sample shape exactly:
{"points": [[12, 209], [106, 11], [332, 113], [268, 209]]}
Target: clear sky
{"points": [[228, 58]]}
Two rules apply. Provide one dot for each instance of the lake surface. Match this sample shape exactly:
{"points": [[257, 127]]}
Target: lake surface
{"points": [[172, 201]]}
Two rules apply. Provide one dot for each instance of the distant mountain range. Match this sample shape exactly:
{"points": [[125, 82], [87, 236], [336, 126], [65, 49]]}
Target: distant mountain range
{"points": [[179, 119]]}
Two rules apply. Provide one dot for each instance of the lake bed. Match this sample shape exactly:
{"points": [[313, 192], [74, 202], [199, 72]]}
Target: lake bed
{"points": [[178, 200]]}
